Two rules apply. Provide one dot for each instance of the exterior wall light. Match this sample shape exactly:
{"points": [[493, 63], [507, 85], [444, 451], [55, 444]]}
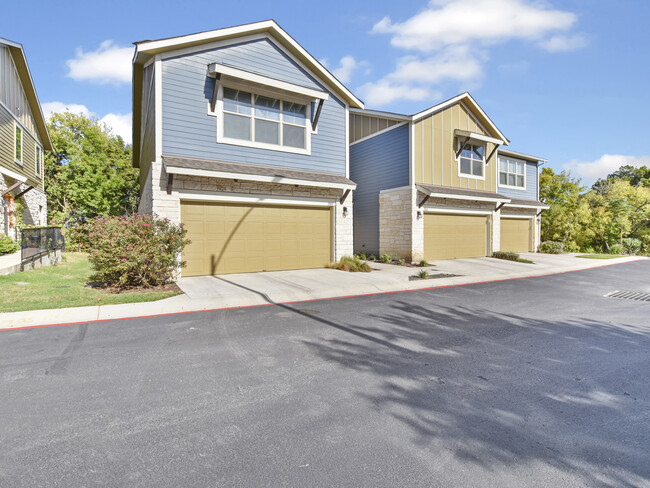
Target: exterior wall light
{"points": [[345, 211], [419, 215]]}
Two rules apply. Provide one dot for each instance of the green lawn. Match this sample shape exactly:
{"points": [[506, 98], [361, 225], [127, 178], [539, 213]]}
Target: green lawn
{"points": [[601, 256], [63, 286]]}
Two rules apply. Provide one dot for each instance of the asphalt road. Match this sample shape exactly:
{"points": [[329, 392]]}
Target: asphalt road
{"points": [[535, 382]]}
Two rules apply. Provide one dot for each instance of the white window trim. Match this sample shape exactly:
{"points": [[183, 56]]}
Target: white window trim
{"points": [[39, 170], [520, 188], [221, 139], [465, 175], [22, 144]]}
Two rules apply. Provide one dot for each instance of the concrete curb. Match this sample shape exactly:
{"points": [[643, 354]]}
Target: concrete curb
{"points": [[182, 304]]}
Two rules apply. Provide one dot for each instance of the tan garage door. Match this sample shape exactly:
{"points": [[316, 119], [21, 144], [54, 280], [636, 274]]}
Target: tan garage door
{"points": [[233, 238], [455, 236], [515, 235]]}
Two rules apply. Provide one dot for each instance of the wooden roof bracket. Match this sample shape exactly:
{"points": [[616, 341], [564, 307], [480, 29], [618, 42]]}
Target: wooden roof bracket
{"points": [[499, 207], [345, 195], [462, 146], [317, 116], [424, 200], [539, 213], [213, 103], [12, 187], [496, 146], [23, 192], [170, 183]]}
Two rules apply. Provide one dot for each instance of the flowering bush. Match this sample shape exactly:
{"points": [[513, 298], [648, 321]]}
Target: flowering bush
{"points": [[134, 250], [7, 245]]}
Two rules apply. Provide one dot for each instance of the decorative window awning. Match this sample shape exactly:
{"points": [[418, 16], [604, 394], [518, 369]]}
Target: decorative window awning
{"points": [[467, 137]]}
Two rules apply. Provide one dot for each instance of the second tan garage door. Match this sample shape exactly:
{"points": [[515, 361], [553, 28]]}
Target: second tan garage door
{"points": [[455, 236], [515, 235], [233, 238]]}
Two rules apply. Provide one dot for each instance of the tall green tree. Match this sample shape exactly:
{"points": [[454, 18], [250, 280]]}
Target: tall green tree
{"points": [[90, 172]]}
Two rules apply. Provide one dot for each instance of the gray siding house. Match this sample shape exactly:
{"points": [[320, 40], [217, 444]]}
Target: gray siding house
{"points": [[242, 136], [23, 140]]}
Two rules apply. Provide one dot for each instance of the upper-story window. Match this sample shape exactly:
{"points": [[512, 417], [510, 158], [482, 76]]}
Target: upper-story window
{"points": [[18, 144], [262, 121], [472, 161], [39, 161], [512, 173]]}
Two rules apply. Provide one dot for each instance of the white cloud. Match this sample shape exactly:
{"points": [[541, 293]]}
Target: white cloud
{"points": [[448, 22], [590, 171], [344, 71], [119, 124], [386, 91], [450, 41], [108, 64], [564, 43]]}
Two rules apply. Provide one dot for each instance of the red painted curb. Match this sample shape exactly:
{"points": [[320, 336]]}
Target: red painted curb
{"points": [[315, 299]]}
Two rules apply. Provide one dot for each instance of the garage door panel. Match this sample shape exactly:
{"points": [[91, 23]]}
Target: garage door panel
{"points": [[234, 238], [455, 236], [516, 235]]}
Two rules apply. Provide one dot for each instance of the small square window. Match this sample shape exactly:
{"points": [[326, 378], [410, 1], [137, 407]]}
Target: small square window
{"points": [[472, 160], [512, 173]]}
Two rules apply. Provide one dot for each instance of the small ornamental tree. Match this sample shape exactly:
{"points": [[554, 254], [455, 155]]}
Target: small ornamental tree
{"points": [[135, 250]]}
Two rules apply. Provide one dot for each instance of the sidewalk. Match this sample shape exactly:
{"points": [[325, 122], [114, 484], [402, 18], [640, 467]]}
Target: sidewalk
{"points": [[10, 263], [240, 290]]}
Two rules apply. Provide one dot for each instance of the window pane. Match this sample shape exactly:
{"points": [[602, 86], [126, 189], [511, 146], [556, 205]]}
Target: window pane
{"points": [[19, 143], [503, 179], [236, 101], [294, 113], [503, 165], [267, 108], [520, 180], [478, 152], [511, 180], [513, 167], [465, 166], [467, 152], [520, 168], [293, 136], [237, 127], [477, 168], [266, 131]]}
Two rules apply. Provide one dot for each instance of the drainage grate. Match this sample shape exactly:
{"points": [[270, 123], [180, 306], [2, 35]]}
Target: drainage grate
{"points": [[630, 295]]}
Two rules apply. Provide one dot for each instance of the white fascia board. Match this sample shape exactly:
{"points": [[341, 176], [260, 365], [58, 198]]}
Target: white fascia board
{"points": [[198, 195], [517, 205], [452, 196], [266, 81], [13, 174], [257, 178], [379, 113], [474, 136], [528, 157]]}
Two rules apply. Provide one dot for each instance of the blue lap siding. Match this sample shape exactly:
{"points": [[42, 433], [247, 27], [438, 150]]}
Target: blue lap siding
{"points": [[530, 192], [187, 129], [376, 164]]}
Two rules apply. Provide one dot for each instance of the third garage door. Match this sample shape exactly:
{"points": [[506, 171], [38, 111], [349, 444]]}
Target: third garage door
{"points": [[234, 238], [515, 235], [455, 236]]}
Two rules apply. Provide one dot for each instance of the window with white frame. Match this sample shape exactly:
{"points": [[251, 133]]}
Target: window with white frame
{"points": [[39, 161], [472, 160], [512, 173], [264, 121], [18, 144]]}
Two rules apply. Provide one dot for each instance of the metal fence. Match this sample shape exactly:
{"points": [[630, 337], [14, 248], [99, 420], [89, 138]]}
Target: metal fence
{"points": [[40, 240]]}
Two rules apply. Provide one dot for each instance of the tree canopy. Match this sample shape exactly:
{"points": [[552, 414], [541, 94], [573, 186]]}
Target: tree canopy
{"points": [[613, 216], [90, 172]]}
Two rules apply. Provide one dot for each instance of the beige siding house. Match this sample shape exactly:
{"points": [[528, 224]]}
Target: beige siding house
{"points": [[23, 140]]}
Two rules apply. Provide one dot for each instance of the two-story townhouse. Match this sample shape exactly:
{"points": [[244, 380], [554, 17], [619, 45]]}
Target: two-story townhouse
{"points": [[428, 184], [23, 138], [242, 135]]}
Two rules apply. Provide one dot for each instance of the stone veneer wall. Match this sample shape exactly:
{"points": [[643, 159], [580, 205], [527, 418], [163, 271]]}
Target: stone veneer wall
{"points": [[155, 199], [401, 232], [35, 200]]}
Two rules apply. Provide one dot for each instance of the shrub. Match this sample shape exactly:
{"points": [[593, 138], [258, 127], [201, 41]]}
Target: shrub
{"points": [[362, 256], [632, 245], [386, 258], [7, 245], [423, 274], [402, 261], [510, 256], [552, 247], [423, 263], [616, 249], [76, 237], [372, 257], [352, 264], [135, 250]]}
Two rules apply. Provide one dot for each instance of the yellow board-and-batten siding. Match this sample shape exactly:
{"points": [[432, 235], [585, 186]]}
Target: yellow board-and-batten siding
{"points": [[434, 150]]}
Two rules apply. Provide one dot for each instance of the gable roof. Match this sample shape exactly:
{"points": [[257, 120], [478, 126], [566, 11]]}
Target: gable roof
{"points": [[472, 105], [25, 76]]}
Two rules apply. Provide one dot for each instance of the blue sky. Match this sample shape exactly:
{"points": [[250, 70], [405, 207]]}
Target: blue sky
{"points": [[565, 80]]}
